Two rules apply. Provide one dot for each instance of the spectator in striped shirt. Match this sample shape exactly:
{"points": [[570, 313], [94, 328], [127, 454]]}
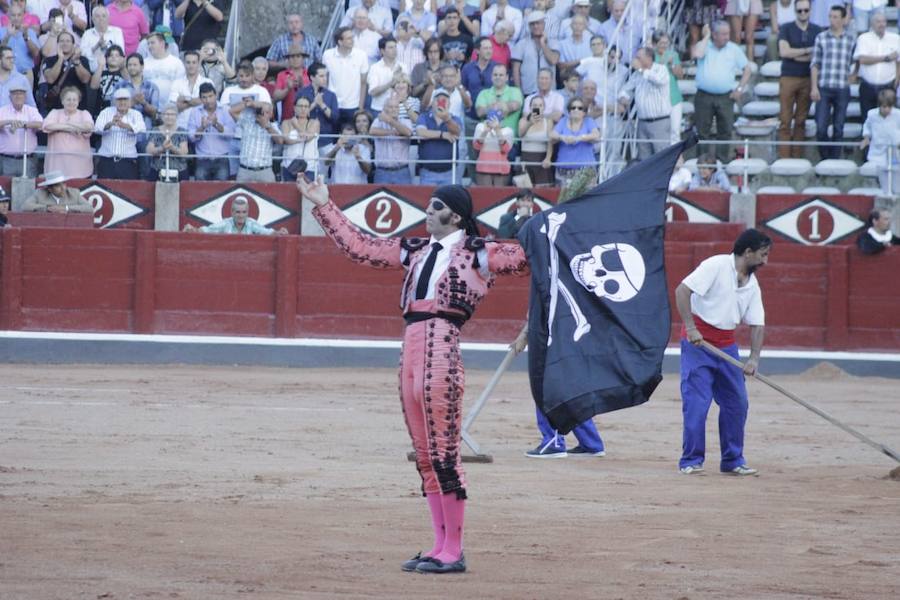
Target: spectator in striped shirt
{"points": [[649, 86], [830, 80], [119, 127]]}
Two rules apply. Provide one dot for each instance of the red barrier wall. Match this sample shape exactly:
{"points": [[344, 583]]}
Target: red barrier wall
{"points": [[399, 210], [152, 282]]}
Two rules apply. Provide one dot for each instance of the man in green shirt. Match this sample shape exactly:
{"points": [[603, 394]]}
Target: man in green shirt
{"points": [[501, 97]]}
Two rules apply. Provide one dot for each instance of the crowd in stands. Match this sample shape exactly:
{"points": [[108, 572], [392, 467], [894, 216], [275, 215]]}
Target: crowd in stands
{"points": [[422, 90]]}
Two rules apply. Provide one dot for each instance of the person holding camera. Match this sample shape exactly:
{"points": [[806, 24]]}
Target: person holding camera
{"points": [[351, 161], [300, 136], [512, 221], [258, 138], [439, 131], [168, 147], [493, 143], [214, 65], [537, 152]]}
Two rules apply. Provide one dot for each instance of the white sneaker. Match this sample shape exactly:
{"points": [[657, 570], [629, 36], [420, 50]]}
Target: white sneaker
{"points": [[691, 469], [743, 470]]}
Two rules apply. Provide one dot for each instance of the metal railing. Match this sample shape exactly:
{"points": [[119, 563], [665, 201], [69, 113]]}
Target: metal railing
{"points": [[457, 164]]}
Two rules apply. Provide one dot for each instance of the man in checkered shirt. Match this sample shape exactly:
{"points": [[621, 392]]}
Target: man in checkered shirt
{"points": [[830, 74]]}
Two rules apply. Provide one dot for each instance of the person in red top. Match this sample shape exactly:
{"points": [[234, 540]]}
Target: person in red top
{"points": [[131, 20], [290, 81], [502, 53], [713, 300]]}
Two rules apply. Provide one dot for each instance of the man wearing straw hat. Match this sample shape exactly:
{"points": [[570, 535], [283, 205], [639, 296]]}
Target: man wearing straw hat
{"points": [[54, 196]]}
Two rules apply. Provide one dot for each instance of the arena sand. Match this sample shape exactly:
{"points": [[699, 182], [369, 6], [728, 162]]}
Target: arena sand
{"points": [[153, 482]]}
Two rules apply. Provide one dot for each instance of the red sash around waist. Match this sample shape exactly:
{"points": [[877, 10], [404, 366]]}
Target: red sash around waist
{"points": [[720, 338]]}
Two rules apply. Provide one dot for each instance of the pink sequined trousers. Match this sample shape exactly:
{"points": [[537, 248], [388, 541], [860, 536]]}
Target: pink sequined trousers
{"points": [[432, 380]]}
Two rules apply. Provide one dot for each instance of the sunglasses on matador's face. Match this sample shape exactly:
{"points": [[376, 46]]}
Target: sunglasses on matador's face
{"points": [[437, 205]]}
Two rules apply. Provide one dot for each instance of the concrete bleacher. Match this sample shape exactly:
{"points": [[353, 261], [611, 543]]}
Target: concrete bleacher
{"points": [[757, 120]]}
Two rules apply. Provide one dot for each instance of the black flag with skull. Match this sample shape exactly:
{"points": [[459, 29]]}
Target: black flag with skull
{"points": [[599, 317]]}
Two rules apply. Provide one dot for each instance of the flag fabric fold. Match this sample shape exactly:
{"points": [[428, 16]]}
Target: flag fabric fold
{"points": [[599, 316]]}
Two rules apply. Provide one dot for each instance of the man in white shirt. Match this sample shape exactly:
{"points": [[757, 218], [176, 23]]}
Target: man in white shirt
{"points": [[347, 69], [119, 127], [649, 87], [501, 11], [161, 68], [713, 300], [100, 37], [381, 75], [380, 20], [242, 101], [363, 37], [878, 52], [185, 92], [554, 104]]}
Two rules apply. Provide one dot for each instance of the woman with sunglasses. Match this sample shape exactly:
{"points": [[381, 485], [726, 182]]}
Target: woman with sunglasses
{"points": [[301, 141], [446, 278], [575, 134]]}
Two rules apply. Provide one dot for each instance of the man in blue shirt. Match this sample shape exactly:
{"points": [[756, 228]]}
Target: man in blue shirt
{"points": [[21, 39], [717, 62], [476, 76], [438, 131], [211, 129], [323, 103]]}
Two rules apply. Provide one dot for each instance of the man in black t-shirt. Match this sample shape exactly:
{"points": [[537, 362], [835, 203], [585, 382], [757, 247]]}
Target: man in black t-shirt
{"points": [[795, 45], [67, 68], [457, 44]]}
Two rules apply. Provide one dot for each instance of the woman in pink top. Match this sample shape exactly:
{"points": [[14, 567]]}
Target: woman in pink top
{"points": [[68, 137], [131, 20], [493, 143]]}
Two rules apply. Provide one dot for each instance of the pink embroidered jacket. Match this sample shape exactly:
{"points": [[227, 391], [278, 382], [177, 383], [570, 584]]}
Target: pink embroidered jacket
{"points": [[473, 264]]}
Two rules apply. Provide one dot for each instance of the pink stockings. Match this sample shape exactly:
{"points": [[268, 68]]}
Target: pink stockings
{"points": [[431, 390], [447, 519]]}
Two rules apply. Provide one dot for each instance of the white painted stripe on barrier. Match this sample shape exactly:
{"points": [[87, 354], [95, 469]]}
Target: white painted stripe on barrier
{"points": [[381, 344]]}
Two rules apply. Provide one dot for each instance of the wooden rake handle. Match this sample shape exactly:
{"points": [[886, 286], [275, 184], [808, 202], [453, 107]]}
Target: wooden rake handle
{"points": [[730, 359]]}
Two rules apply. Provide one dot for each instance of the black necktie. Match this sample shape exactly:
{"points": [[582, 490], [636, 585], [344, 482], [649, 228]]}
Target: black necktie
{"points": [[427, 268]]}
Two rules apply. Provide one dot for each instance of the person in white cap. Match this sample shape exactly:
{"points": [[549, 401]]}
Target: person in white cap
{"points": [[19, 124], [533, 52], [54, 196], [119, 126]]}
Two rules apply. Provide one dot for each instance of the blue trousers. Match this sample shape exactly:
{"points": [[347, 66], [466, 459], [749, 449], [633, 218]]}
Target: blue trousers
{"points": [[586, 433], [831, 109], [704, 378]]}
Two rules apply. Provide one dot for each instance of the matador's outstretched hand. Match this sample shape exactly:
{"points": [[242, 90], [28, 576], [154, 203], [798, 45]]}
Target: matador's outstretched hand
{"points": [[316, 192]]}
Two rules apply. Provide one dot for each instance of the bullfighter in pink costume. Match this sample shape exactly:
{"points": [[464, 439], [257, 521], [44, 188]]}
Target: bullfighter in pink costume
{"points": [[447, 276]]}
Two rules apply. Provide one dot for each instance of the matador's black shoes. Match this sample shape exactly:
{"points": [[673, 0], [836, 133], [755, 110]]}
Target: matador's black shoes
{"points": [[433, 565], [412, 563]]}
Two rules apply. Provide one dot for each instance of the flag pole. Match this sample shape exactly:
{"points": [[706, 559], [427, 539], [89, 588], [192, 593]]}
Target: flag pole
{"points": [[730, 359]]}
